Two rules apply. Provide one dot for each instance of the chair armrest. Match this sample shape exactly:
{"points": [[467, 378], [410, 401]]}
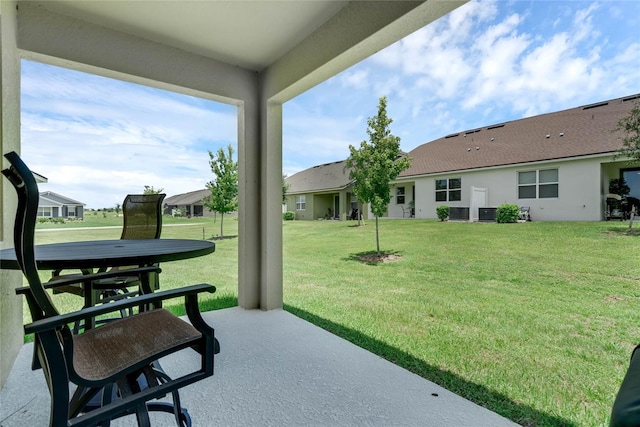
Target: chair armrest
{"points": [[83, 278], [62, 319], [626, 407]]}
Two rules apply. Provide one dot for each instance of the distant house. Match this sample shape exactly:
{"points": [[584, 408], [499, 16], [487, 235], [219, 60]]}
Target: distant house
{"points": [[558, 164], [39, 178], [322, 192], [188, 204], [53, 205]]}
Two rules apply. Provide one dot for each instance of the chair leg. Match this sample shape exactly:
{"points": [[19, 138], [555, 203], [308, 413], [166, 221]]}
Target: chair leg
{"points": [[57, 380], [129, 386], [183, 419]]}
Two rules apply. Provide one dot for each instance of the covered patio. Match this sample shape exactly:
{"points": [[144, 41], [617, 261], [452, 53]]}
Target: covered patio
{"points": [[275, 369]]}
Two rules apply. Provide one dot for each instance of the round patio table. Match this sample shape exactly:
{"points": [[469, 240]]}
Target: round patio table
{"points": [[110, 253]]}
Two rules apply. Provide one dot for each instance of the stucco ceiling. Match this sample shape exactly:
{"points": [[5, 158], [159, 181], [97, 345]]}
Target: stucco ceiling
{"points": [[249, 34]]}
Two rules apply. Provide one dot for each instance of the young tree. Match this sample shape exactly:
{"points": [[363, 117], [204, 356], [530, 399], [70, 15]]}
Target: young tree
{"points": [[630, 126], [375, 164], [285, 188], [224, 188], [150, 190]]}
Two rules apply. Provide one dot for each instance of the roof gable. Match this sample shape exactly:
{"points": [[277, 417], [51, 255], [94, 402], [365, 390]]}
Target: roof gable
{"points": [[580, 131], [190, 198], [327, 177], [49, 198]]}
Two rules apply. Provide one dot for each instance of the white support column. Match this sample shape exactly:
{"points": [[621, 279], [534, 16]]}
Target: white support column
{"points": [[271, 286], [10, 303], [249, 205]]}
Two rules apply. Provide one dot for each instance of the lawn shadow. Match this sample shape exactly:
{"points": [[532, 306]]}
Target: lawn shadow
{"points": [[214, 238], [634, 232], [479, 394], [373, 258]]}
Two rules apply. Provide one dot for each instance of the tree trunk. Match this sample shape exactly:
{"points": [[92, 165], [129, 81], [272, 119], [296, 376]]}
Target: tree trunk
{"points": [[631, 216], [221, 222], [377, 236]]}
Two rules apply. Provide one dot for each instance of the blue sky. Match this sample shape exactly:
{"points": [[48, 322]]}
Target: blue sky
{"points": [[97, 139]]}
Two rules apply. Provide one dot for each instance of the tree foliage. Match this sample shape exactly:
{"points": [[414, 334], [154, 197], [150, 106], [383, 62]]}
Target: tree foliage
{"points": [[376, 163], [224, 187], [148, 189], [630, 127], [285, 188]]}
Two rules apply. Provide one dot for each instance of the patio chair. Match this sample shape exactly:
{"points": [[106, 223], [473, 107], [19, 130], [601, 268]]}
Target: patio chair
{"points": [[116, 361], [525, 213], [142, 220], [626, 407]]}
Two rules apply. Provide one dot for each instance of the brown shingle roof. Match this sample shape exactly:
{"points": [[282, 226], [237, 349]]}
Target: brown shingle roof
{"points": [[191, 198], [580, 131], [327, 177]]}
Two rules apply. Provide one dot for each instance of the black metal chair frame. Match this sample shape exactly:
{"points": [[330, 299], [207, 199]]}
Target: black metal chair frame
{"points": [[54, 342]]}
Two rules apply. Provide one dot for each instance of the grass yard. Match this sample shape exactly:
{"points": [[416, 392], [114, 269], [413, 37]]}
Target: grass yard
{"points": [[534, 321]]}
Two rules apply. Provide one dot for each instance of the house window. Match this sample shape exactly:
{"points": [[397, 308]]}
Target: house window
{"points": [[538, 184], [71, 212], [449, 190], [301, 203], [44, 212], [400, 195]]}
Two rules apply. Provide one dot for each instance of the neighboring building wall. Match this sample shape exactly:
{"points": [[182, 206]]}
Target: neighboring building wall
{"points": [[400, 208], [190, 210], [318, 205], [581, 189]]}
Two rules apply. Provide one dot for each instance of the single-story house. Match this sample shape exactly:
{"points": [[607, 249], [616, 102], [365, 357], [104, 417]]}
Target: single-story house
{"points": [[39, 178], [322, 192], [559, 165], [53, 205], [187, 204]]}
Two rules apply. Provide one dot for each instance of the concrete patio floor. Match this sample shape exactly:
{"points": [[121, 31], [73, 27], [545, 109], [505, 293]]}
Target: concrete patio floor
{"points": [[276, 369]]}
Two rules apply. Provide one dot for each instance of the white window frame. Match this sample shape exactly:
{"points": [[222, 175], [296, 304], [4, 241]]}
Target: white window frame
{"points": [[400, 195], [301, 203], [45, 211], [448, 190], [540, 183]]}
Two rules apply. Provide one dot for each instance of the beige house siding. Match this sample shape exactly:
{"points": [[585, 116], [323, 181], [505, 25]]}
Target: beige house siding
{"points": [[318, 205], [582, 186]]}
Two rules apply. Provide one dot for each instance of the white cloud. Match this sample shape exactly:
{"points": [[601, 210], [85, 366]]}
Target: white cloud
{"points": [[357, 79], [99, 139], [486, 62]]}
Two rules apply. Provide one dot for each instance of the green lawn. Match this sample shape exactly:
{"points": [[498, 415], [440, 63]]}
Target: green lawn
{"points": [[535, 321]]}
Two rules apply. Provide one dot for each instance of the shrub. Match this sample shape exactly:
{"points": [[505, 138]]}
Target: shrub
{"points": [[443, 212], [289, 216], [43, 220], [507, 213]]}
